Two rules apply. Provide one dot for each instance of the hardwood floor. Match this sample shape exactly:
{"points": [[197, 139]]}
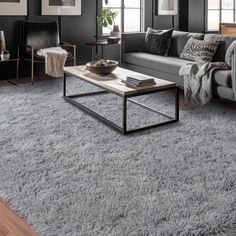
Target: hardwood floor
{"points": [[11, 224]]}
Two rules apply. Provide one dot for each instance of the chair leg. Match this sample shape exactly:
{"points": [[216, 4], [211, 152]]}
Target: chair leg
{"points": [[32, 66], [74, 56], [32, 72]]}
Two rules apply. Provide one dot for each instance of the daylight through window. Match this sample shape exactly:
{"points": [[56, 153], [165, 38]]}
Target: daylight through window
{"points": [[130, 14], [220, 11]]}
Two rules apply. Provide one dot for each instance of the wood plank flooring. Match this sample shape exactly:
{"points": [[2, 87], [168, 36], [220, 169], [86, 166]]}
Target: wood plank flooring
{"points": [[11, 224]]}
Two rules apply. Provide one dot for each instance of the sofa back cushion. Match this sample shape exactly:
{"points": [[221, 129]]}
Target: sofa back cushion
{"points": [[225, 42], [179, 40]]}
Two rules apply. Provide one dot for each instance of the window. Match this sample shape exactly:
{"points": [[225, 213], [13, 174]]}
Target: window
{"points": [[220, 11], [130, 14]]}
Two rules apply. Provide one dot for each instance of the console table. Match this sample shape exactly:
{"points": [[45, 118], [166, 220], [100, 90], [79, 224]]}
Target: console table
{"points": [[228, 28]]}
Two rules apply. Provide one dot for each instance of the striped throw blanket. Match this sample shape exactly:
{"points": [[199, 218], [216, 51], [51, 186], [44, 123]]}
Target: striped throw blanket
{"points": [[198, 81], [55, 59]]}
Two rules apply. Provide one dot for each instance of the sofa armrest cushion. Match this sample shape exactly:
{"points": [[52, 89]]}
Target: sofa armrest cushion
{"points": [[233, 69], [229, 54]]}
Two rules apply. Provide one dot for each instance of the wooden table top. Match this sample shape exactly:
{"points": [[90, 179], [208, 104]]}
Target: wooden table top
{"points": [[112, 82]]}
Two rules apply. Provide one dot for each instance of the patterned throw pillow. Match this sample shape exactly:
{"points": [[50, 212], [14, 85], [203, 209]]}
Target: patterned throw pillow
{"points": [[199, 50], [157, 42]]}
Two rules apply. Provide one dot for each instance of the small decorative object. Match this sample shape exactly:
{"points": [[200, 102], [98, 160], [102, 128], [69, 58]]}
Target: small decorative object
{"points": [[61, 7], [13, 7], [5, 55], [167, 7], [101, 66], [2, 42], [106, 19], [113, 39]]}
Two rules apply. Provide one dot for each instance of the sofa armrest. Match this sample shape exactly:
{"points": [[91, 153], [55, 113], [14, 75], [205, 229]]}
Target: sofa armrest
{"points": [[234, 73], [131, 42]]}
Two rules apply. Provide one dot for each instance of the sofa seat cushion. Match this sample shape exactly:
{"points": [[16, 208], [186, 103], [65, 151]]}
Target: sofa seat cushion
{"points": [[223, 78], [168, 64]]}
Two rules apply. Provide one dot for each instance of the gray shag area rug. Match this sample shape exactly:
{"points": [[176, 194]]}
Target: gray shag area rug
{"points": [[69, 174]]}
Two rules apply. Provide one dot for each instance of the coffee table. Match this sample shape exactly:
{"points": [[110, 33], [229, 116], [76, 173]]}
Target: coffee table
{"points": [[112, 84]]}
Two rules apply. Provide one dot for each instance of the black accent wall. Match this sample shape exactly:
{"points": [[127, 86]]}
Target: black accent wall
{"points": [[197, 17], [81, 29]]}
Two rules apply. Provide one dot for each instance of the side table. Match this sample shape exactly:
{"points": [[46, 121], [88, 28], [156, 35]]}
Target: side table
{"points": [[17, 60], [102, 44]]}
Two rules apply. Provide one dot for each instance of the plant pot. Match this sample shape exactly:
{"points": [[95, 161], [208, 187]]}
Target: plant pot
{"points": [[5, 57], [116, 34], [116, 31]]}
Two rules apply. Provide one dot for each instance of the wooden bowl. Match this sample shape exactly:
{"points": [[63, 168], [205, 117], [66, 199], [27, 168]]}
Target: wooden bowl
{"points": [[91, 66]]}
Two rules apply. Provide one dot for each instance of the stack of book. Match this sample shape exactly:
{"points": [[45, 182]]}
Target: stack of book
{"points": [[137, 81]]}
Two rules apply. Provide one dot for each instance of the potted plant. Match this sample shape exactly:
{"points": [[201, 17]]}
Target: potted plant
{"points": [[106, 19]]}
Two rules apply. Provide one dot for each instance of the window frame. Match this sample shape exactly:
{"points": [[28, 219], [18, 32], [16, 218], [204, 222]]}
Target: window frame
{"points": [[122, 8], [220, 14]]}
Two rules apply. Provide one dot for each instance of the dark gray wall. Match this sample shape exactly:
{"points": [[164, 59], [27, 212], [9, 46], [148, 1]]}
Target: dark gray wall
{"points": [[75, 29], [179, 22], [81, 29], [196, 20]]}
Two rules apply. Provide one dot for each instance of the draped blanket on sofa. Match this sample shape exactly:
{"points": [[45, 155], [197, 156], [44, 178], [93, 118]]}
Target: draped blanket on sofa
{"points": [[198, 80]]}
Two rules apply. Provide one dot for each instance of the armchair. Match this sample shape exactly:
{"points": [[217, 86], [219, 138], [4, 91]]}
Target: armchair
{"points": [[39, 35]]}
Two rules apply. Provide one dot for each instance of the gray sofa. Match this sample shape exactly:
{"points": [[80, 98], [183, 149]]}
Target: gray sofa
{"points": [[167, 67]]}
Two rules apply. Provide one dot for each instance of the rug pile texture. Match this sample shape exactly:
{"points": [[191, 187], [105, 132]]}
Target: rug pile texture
{"points": [[69, 174]]}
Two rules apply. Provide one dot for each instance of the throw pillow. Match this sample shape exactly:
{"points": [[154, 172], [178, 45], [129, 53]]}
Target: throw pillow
{"points": [[199, 50], [157, 42], [229, 54]]}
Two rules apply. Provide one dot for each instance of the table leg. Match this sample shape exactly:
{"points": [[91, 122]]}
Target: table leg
{"points": [[177, 104], [102, 52], [124, 115], [92, 56], [17, 68], [64, 85]]}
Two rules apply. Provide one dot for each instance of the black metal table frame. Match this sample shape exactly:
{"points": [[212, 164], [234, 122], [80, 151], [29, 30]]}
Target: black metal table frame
{"points": [[123, 129]]}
